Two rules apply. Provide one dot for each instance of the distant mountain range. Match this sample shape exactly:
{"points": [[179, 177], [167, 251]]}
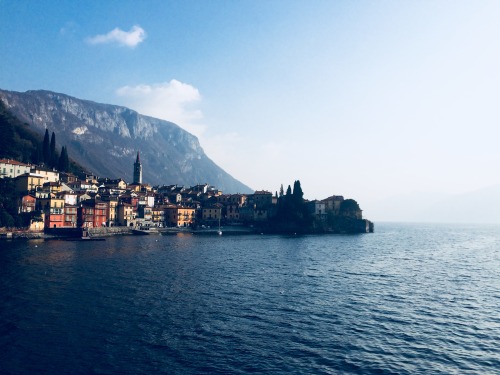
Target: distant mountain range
{"points": [[105, 139], [478, 206]]}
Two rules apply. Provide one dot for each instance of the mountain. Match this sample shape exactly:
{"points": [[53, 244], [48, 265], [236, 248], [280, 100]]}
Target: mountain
{"points": [[105, 139]]}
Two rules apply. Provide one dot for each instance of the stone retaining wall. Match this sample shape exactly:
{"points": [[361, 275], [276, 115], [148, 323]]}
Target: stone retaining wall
{"points": [[109, 231]]}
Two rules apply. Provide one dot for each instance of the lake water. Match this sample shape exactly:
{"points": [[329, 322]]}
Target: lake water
{"points": [[406, 299]]}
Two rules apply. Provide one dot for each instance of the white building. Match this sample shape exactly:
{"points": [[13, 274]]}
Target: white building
{"points": [[12, 168]]}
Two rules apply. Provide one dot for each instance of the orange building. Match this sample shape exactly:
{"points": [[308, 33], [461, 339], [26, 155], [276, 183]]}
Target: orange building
{"points": [[92, 214], [53, 208], [70, 216], [179, 216]]}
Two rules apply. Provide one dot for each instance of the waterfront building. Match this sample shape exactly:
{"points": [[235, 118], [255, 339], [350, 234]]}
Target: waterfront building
{"points": [[261, 199], [53, 208], [92, 214], [179, 216], [70, 216], [125, 214], [317, 209], [333, 203], [212, 213]]}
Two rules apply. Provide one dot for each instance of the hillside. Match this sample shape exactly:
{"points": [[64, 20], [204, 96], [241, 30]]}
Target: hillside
{"points": [[105, 139], [18, 141]]}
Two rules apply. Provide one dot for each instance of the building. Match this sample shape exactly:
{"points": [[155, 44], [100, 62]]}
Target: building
{"points": [[333, 203], [317, 209], [158, 216], [137, 170], [212, 213], [92, 214], [233, 199], [48, 174], [178, 216], [67, 177], [261, 199], [27, 203], [12, 168], [29, 182], [53, 208], [112, 201], [70, 198], [232, 212], [145, 213], [53, 187], [70, 216], [125, 214]]}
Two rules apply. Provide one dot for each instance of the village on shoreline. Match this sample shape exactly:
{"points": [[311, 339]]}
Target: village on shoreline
{"points": [[53, 204]]}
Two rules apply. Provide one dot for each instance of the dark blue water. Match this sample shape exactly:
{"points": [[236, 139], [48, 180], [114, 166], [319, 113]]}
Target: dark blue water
{"points": [[407, 299]]}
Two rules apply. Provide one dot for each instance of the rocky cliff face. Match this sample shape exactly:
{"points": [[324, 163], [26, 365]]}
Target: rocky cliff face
{"points": [[105, 139]]}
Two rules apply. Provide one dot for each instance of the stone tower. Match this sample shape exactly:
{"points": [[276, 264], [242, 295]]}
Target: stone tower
{"points": [[137, 170]]}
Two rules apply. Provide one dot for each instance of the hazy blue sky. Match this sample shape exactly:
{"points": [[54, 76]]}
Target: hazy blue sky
{"points": [[368, 99]]}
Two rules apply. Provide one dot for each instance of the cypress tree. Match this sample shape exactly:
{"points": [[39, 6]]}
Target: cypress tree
{"points": [[53, 155], [63, 164], [298, 195], [46, 147], [66, 160], [60, 163]]}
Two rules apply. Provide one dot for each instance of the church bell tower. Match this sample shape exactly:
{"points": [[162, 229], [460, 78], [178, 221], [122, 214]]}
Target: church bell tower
{"points": [[137, 170]]}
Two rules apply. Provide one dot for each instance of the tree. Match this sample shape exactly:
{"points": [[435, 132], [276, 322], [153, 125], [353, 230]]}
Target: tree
{"points": [[298, 195], [36, 156], [46, 147], [63, 164], [6, 219], [350, 208], [291, 212], [53, 154]]}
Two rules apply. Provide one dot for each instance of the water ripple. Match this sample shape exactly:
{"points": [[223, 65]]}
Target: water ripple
{"points": [[405, 300]]}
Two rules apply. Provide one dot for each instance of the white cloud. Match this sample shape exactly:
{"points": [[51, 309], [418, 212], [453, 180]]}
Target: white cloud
{"points": [[172, 101], [131, 38]]}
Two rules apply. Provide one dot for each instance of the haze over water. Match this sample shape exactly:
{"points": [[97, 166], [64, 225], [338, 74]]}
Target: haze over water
{"points": [[407, 299]]}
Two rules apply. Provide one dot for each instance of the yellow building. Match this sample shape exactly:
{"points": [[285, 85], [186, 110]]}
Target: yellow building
{"points": [[112, 212], [158, 216], [28, 182], [179, 216], [48, 174], [53, 187], [125, 214]]}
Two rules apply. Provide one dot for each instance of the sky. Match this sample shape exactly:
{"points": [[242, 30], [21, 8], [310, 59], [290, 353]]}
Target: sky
{"points": [[371, 100]]}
